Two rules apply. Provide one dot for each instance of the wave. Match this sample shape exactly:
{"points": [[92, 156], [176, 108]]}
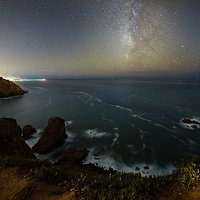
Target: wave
{"points": [[106, 104], [71, 137], [115, 139], [154, 123], [41, 89], [190, 126], [107, 161], [34, 139], [12, 97], [54, 155], [156, 103], [196, 118], [68, 123], [95, 133]]}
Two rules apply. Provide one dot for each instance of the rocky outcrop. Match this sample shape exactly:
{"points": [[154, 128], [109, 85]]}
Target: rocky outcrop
{"points": [[8, 88], [74, 155], [28, 131], [190, 121], [194, 126], [53, 136], [11, 141]]}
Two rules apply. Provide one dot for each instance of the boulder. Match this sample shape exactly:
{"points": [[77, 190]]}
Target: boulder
{"points": [[73, 155], [8, 88], [28, 131], [11, 141], [190, 121], [52, 137], [194, 126]]}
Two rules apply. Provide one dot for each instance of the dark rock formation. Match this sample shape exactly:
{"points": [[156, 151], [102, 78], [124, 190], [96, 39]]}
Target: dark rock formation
{"points": [[28, 131], [74, 155], [11, 141], [194, 126], [8, 88], [53, 136], [137, 169], [190, 121]]}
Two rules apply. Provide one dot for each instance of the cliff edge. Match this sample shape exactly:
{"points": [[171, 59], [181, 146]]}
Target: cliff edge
{"points": [[8, 88]]}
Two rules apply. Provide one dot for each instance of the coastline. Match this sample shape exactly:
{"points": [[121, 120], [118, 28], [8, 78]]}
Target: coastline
{"points": [[10, 89], [79, 181], [71, 179]]}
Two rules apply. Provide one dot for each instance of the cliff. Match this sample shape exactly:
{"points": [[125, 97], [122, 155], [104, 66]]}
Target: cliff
{"points": [[8, 88]]}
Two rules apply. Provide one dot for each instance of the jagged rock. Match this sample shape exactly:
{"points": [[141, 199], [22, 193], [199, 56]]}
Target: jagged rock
{"points": [[8, 88], [190, 121], [74, 155], [28, 131], [52, 137], [146, 167], [137, 169], [194, 126], [11, 141]]}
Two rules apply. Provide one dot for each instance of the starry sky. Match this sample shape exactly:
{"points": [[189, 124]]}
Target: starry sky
{"points": [[91, 38]]}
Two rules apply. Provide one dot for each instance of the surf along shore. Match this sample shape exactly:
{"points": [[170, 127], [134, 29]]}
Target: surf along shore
{"points": [[23, 176]]}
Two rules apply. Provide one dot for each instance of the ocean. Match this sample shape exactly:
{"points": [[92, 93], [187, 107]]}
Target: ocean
{"points": [[129, 126]]}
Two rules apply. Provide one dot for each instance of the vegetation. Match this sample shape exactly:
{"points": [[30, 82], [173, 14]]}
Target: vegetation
{"points": [[121, 186], [90, 184], [189, 173]]}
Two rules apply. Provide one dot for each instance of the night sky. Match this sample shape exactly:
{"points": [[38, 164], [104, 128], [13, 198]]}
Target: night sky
{"points": [[72, 38]]}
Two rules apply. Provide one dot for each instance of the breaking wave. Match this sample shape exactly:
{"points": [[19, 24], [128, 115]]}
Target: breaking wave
{"points": [[95, 133], [107, 161]]}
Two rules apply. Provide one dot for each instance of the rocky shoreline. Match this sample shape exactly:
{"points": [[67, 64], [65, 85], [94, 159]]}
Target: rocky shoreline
{"points": [[8, 89], [12, 140], [190, 123], [69, 177]]}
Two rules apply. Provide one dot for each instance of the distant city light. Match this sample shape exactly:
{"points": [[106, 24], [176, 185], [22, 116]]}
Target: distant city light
{"points": [[17, 79]]}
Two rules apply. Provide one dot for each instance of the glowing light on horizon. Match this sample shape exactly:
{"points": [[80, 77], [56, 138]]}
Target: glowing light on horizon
{"points": [[17, 79]]}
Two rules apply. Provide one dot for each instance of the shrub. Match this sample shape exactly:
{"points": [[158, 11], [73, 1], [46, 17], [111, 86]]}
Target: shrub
{"points": [[189, 174]]}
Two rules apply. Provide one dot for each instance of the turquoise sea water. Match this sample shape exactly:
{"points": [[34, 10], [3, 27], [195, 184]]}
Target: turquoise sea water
{"points": [[125, 124]]}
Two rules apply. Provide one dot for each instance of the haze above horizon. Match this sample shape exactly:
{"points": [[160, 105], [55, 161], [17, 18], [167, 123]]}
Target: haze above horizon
{"points": [[99, 38]]}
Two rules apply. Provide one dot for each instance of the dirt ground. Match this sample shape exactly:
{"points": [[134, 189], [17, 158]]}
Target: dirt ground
{"points": [[175, 193], [16, 187]]}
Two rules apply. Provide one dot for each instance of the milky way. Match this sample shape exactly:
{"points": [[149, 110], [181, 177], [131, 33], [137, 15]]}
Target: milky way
{"points": [[49, 38]]}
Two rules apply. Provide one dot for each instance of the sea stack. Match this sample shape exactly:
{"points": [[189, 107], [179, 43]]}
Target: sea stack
{"points": [[74, 155], [28, 131], [11, 141], [8, 88], [53, 136]]}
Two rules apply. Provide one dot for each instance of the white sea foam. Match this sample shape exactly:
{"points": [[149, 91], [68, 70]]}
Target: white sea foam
{"points": [[189, 126], [68, 123], [154, 123], [115, 139], [107, 161], [12, 97], [106, 104], [71, 137], [34, 139], [95, 133], [196, 118], [54, 155]]}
